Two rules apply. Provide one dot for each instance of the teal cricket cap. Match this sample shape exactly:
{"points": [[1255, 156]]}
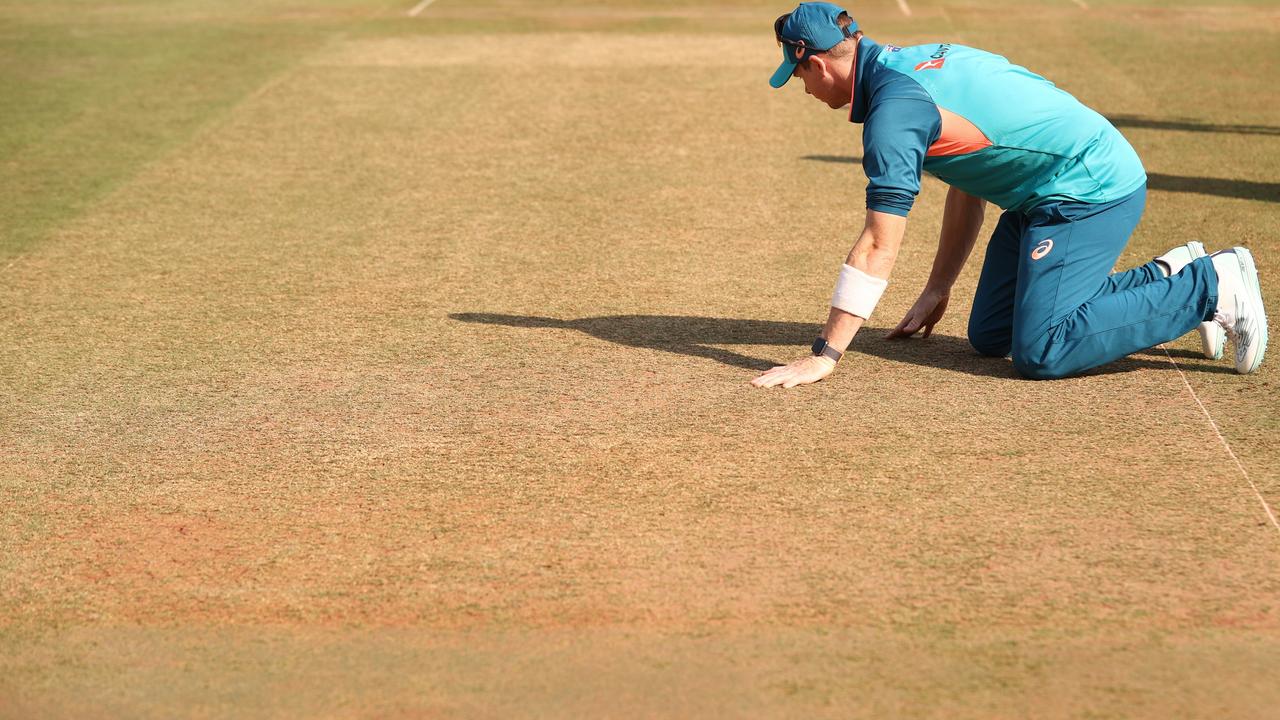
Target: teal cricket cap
{"points": [[810, 29]]}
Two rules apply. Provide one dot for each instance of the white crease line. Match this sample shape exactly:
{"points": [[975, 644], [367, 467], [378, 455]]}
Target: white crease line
{"points": [[1081, 3], [904, 7], [1230, 452], [417, 9]]}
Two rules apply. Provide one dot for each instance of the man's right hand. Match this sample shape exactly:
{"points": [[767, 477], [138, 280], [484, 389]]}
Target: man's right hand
{"points": [[808, 369], [926, 313]]}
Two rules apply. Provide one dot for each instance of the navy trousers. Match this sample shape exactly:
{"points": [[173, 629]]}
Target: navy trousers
{"points": [[1046, 295]]}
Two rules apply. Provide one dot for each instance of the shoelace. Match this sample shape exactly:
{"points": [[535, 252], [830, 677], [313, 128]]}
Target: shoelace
{"points": [[1228, 323]]}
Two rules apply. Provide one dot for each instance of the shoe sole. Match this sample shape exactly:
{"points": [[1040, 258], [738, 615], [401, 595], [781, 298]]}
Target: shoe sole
{"points": [[1254, 291], [1213, 339]]}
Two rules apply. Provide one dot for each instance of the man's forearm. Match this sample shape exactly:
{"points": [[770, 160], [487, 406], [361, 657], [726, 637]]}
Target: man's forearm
{"points": [[874, 253], [961, 222], [876, 249], [858, 288], [840, 328]]}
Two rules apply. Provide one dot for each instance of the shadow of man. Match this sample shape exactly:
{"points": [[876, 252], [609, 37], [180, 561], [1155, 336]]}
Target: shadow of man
{"points": [[679, 334], [701, 337]]}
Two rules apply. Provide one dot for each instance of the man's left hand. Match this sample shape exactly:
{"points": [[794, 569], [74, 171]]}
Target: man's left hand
{"points": [[801, 372], [923, 315]]}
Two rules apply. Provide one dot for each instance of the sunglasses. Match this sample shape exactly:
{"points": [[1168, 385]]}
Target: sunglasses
{"points": [[777, 35]]}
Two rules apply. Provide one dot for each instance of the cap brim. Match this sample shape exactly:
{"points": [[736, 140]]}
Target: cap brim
{"points": [[783, 73]]}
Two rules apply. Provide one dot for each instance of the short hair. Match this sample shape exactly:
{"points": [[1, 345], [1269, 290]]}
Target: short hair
{"points": [[845, 47]]}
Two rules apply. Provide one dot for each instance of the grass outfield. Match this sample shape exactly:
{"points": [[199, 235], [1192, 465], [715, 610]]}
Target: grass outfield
{"points": [[365, 365]]}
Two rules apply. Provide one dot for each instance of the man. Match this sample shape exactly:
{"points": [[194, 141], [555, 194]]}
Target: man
{"points": [[1072, 190]]}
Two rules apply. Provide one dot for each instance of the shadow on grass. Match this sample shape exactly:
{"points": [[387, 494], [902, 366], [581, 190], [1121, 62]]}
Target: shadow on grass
{"points": [[850, 159], [700, 337], [1147, 123], [1222, 187]]}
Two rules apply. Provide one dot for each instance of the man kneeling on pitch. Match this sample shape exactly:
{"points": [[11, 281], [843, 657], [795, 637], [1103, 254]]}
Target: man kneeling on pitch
{"points": [[1072, 190]]}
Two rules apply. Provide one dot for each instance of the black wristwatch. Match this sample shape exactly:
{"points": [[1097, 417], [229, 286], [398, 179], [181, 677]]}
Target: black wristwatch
{"points": [[820, 347]]}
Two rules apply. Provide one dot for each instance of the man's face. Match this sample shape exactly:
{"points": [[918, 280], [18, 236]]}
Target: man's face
{"points": [[822, 83]]}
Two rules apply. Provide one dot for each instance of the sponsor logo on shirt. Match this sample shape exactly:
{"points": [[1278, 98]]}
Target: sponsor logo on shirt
{"points": [[1042, 249], [893, 48], [936, 59]]}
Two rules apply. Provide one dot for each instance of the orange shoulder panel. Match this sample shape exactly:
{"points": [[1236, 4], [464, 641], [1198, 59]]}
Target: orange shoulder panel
{"points": [[958, 136]]}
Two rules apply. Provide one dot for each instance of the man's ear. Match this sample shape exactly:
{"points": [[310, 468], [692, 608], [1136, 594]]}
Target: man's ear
{"points": [[820, 64]]}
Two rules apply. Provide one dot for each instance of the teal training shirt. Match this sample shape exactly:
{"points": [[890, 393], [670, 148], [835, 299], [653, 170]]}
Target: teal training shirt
{"points": [[984, 125]]}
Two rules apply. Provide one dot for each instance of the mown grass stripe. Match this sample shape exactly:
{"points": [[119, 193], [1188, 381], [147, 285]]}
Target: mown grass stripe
{"points": [[94, 102]]}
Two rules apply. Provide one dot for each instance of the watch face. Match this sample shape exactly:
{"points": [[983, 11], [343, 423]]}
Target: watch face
{"points": [[819, 345]]}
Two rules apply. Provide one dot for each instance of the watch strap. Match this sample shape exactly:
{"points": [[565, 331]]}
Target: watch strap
{"points": [[821, 348]]}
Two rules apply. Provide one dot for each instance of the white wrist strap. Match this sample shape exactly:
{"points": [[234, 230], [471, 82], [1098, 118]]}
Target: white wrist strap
{"points": [[857, 292]]}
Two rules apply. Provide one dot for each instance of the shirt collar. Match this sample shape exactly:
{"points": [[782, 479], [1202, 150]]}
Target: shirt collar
{"points": [[867, 53]]}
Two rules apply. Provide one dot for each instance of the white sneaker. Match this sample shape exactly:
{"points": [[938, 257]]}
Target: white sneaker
{"points": [[1212, 337], [1240, 311]]}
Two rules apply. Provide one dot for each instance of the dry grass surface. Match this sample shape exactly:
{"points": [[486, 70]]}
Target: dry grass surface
{"points": [[411, 381]]}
